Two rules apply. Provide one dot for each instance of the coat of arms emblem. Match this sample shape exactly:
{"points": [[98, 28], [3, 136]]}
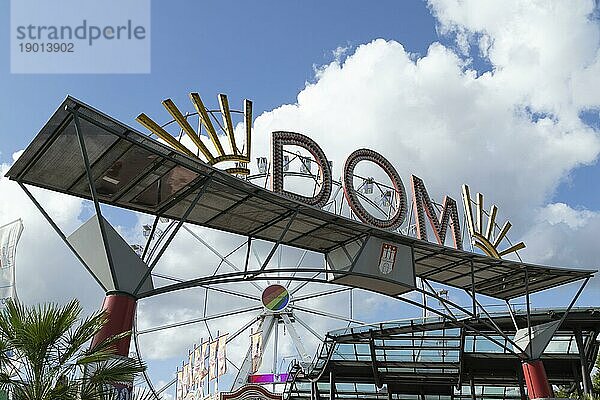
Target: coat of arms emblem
{"points": [[387, 258]]}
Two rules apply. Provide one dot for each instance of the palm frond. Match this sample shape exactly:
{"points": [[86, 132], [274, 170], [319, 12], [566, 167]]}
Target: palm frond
{"points": [[81, 335], [116, 370], [50, 343]]}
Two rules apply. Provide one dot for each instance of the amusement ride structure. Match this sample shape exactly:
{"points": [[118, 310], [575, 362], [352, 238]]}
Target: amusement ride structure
{"points": [[285, 250]]}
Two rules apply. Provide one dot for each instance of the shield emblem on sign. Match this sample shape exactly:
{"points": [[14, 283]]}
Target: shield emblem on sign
{"points": [[387, 258]]}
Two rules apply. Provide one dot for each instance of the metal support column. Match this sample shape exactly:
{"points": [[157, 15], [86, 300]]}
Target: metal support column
{"points": [[275, 347], [473, 289], [578, 380], [120, 310], [314, 391], [331, 385], [94, 195], [528, 301], [374, 366], [585, 373], [521, 384]]}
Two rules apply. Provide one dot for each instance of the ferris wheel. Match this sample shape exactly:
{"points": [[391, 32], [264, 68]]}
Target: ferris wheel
{"points": [[284, 312], [283, 317], [271, 320]]}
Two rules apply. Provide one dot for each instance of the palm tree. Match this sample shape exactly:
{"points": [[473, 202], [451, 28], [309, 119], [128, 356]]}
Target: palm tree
{"points": [[44, 354]]}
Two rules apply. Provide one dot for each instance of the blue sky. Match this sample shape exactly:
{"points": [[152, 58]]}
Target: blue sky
{"points": [[268, 51], [265, 51]]}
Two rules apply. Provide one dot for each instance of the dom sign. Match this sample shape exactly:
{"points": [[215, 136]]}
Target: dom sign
{"points": [[421, 201]]}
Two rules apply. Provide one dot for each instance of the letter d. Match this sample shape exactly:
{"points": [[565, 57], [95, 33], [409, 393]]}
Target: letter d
{"points": [[280, 139], [81, 30]]}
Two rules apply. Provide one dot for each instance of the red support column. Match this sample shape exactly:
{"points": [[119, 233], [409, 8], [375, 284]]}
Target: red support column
{"points": [[120, 309], [536, 380]]}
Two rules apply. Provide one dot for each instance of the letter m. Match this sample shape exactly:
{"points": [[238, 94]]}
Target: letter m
{"points": [[422, 206]]}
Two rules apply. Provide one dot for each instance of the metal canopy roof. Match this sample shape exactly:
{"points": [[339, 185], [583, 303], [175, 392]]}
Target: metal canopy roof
{"points": [[133, 171], [432, 356]]}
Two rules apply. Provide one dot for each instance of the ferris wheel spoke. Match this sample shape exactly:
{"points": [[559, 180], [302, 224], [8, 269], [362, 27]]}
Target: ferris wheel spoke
{"points": [[295, 338], [256, 257], [218, 254], [309, 328], [210, 335], [383, 196], [204, 307], [333, 197], [255, 253], [303, 284], [306, 164], [320, 294], [168, 385], [198, 320], [279, 257], [242, 329], [371, 202], [216, 289], [232, 363], [150, 237], [159, 240], [167, 277], [139, 355], [239, 246], [326, 314], [233, 293], [314, 333], [289, 282]]}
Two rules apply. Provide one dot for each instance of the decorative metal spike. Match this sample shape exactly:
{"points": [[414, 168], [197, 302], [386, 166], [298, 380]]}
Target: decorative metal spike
{"points": [[187, 128], [205, 118], [240, 157]]}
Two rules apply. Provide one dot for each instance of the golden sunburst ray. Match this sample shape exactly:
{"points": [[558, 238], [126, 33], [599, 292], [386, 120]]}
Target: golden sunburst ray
{"points": [[484, 238], [240, 157]]}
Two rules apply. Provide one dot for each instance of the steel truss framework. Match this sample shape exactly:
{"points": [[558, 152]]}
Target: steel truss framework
{"points": [[84, 153], [124, 168], [437, 358]]}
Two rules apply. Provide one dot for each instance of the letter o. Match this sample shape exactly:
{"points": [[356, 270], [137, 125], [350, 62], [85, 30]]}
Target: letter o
{"points": [[352, 198]]}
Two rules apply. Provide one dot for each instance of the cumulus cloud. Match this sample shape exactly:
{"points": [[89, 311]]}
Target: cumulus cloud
{"points": [[564, 236], [513, 133], [545, 52], [436, 118], [45, 268]]}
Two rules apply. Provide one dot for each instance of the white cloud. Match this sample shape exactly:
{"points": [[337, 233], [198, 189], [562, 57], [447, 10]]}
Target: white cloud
{"points": [[340, 52], [564, 236], [558, 213], [435, 118], [45, 268], [546, 52]]}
